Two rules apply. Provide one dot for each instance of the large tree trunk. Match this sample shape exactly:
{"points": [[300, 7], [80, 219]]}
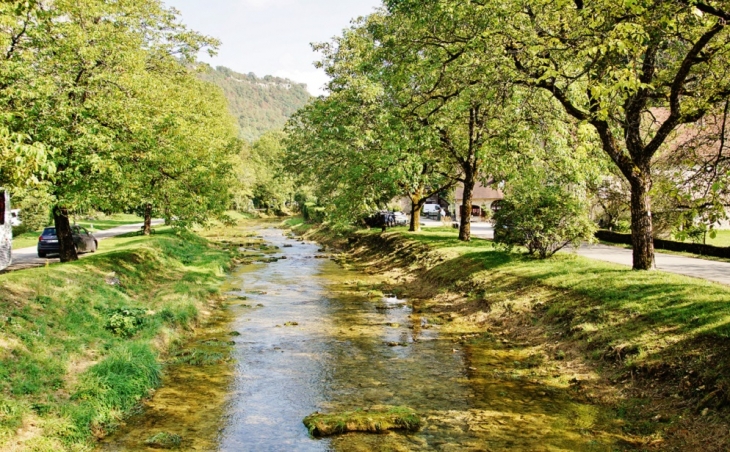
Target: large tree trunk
{"points": [[148, 219], [65, 236], [465, 209], [641, 224], [415, 216], [416, 205]]}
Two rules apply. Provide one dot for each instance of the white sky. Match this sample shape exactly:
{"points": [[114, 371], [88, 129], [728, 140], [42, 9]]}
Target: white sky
{"points": [[272, 37]]}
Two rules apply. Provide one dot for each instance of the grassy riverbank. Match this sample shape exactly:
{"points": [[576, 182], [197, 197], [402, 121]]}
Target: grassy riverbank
{"points": [[652, 346], [82, 343]]}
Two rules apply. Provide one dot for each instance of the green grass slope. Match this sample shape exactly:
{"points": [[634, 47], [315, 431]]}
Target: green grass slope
{"points": [[81, 343]]}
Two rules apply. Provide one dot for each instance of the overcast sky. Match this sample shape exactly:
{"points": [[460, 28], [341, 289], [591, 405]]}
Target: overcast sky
{"points": [[272, 37]]}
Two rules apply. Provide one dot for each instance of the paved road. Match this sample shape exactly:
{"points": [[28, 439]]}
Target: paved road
{"points": [[699, 268], [28, 257], [479, 229]]}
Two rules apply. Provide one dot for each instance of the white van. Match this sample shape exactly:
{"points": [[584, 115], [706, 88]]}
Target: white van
{"points": [[6, 230], [431, 208], [15, 218]]}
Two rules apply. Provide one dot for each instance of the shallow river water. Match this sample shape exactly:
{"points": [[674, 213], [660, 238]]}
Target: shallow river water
{"points": [[342, 355]]}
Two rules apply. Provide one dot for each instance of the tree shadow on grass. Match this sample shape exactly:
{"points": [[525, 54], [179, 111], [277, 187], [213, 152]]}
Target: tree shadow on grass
{"points": [[638, 300], [612, 305]]}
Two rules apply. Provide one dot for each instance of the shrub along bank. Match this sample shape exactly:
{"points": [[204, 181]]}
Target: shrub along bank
{"points": [[82, 343], [658, 342]]}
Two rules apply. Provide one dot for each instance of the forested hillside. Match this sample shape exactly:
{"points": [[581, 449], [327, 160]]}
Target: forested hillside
{"points": [[259, 104]]}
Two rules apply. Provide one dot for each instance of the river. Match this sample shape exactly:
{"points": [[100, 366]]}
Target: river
{"points": [[314, 337]]}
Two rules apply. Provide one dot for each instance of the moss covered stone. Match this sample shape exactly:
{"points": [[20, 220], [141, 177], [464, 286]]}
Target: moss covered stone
{"points": [[373, 421]]}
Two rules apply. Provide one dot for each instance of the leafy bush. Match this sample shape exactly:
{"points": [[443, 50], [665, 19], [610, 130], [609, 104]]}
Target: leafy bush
{"points": [[542, 218], [623, 226], [312, 212], [125, 322]]}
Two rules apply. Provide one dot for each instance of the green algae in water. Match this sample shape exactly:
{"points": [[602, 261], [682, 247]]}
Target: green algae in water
{"points": [[164, 440], [372, 421], [196, 357]]}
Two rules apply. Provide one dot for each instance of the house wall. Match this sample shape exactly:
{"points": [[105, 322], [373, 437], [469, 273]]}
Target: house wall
{"points": [[482, 197]]}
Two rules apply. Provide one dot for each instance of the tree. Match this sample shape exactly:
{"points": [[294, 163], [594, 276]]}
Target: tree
{"points": [[273, 187], [474, 136], [469, 108], [618, 66], [330, 146], [24, 162], [179, 160], [91, 62], [361, 149], [634, 71]]}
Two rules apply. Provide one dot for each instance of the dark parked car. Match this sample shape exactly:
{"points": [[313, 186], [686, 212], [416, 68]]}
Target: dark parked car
{"points": [[84, 241], [382, 219]]}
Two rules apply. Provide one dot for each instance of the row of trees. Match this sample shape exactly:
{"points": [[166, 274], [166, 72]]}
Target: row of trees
{"points": [[102, 109], [425, 94]]}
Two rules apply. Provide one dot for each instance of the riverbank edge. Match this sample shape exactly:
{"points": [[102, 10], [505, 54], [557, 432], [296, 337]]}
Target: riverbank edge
{"points": [[85, 343], [673, 402]]}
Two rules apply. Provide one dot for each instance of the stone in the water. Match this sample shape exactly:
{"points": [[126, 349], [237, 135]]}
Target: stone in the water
{"points": [[372, 421]]}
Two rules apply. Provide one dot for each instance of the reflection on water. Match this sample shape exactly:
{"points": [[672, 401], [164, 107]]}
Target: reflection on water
{"points": [[349, 350]]}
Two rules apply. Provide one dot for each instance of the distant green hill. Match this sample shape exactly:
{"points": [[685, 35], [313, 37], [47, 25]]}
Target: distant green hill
{"points": [[259, 104]]}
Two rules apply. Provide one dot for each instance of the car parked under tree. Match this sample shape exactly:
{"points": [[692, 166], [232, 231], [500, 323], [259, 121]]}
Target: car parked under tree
{"points": [[84, 241]]}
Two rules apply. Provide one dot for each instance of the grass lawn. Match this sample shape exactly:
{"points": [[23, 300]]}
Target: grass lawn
{"points": [[722, 238], [81, 343], [28, 239]]}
